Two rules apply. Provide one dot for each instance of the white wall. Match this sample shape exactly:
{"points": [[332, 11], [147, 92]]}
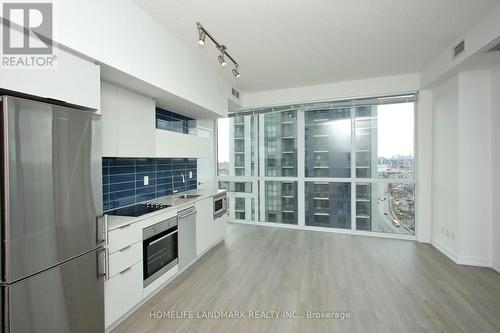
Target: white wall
{"points": [[495, 157], [424, 160], [444, 166], [478, 38], [474, 160], [339, 90], [120, 34], [462, 168]]}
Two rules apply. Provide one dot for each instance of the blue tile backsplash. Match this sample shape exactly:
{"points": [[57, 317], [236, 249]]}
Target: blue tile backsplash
{"points": [[123, 179], [174, 122]]}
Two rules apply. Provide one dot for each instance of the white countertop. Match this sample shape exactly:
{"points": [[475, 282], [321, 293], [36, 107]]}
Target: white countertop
{"points": [[177, 204]]}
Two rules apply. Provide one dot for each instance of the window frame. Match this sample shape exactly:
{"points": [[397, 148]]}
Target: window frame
{"points": [[301, 179]]}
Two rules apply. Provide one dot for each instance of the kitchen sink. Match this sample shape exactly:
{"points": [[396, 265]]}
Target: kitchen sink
{"points": [[187, 196]]}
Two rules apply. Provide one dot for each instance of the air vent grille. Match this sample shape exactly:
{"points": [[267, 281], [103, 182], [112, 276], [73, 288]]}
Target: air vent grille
{"points": [[459, 49], [495, 48], [236, 93]]}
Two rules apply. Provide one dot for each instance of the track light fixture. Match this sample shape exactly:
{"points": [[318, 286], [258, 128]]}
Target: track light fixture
{"points": [[202, 34]]}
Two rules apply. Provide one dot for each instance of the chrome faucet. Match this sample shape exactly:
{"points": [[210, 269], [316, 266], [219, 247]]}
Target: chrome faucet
{"points": [[183, 181], [173, 191]]}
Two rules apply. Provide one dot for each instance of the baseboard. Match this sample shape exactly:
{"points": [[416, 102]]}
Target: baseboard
{"points": [[445, 250], [495, 264], [466, 260], [474, 261]]}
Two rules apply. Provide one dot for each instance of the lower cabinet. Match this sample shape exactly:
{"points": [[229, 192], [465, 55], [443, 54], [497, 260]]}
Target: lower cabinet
{"points": [[208, 230], [122, 292], [124, 287]]}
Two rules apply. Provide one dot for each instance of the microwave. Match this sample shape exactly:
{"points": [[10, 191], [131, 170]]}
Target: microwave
{"points": [[220, 205]]}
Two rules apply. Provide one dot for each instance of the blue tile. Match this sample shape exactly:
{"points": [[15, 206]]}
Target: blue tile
{"points": [[121, 186], [121, 162], [145, 189], [121, 194], [122, 202], [121, 170], [144, 168], [164, 174], [145, 197], [162, 181], [139, 177], [123, 179]]}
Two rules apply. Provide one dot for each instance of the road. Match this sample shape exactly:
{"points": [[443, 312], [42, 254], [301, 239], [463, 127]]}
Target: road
{"points": [[380, 221]]}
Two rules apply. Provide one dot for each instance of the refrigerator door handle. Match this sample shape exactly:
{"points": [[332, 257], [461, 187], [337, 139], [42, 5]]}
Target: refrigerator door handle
{"points": [[101, 229], [102, 263]]}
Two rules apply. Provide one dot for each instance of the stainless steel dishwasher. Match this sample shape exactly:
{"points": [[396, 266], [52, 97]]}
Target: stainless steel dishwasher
{"points": [[187, 236]]}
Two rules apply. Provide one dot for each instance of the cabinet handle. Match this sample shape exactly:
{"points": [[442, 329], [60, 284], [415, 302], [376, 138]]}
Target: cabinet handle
{"points": [[125, 248], [125, 270], [186, 215]]}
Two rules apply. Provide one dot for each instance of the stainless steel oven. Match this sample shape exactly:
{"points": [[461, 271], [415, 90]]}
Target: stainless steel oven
{"points": [[160, 249], [220, 205]]}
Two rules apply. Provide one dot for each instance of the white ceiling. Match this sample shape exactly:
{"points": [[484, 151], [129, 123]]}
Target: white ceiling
{"points": [[291, 43]]}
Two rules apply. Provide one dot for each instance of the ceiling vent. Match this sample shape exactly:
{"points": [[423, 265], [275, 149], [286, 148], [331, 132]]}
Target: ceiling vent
{"points": [[459, 49], [495, 48], [236, 93]]}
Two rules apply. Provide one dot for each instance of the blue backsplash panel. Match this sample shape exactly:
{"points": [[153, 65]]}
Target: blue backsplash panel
{"points": [[123, 179], [174, 122]]}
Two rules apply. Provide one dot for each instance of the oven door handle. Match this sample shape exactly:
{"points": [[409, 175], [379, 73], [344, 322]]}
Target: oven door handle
{"points": [[162, 238]]}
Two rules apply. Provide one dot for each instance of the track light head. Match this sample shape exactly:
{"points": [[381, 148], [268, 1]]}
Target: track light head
{"points": [[236, 73], [201, 39], [201, 34], [222, 61]]}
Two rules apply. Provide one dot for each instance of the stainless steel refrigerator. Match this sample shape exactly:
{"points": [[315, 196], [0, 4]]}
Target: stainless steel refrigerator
{"points": [[52, 241]]}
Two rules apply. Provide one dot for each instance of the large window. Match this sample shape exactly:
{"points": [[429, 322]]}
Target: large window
{"points": [[328, 143], [347, 165]]}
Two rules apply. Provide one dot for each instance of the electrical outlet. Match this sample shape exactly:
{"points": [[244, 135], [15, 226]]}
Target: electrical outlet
{"points": [[190, 174], [146, 180], [447, 233]]}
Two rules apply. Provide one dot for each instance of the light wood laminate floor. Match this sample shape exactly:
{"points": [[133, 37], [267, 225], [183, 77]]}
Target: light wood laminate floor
{"points": [[386, 285]]}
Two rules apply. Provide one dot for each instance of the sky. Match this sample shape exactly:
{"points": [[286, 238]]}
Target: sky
{"points": [[395, 127]]}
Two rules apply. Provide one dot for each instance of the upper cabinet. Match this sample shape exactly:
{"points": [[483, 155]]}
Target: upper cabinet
{"points": [[72, 80], [132, 126], [128, 123]]}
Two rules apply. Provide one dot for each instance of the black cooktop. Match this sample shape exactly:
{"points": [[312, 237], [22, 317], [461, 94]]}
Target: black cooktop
{"points": [[138, 209]]}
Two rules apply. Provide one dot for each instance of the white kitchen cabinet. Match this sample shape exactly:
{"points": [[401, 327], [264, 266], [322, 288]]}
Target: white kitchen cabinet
{"points": [[124, 236], [72, 80], [123, 288], [128, 123], [124, 258], [123, 292], [186, 145], [208, 230], [108, 119]]}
